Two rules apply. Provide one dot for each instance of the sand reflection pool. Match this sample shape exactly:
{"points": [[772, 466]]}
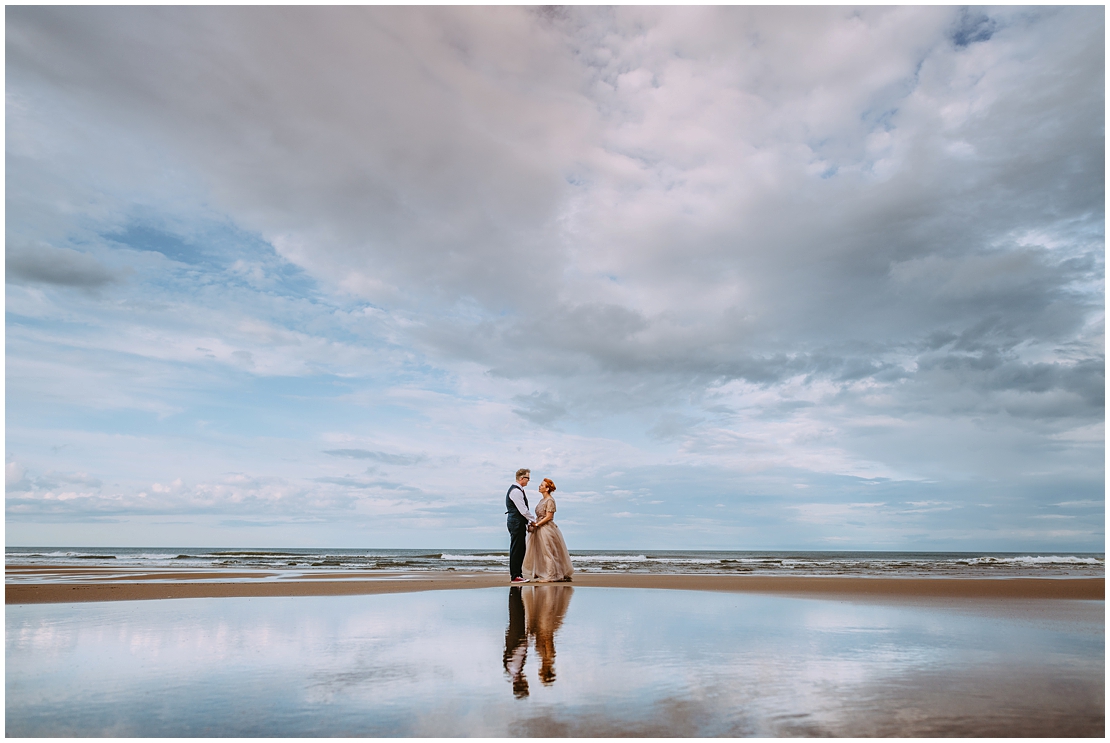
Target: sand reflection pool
{"points": [[554, 661]]}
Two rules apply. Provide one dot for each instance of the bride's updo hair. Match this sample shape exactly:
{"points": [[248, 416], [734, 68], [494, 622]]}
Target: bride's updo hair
{"points": [[550, 485]]}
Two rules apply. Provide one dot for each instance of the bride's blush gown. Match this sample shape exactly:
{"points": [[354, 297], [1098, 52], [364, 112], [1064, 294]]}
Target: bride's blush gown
{"points": [[547, 559]]}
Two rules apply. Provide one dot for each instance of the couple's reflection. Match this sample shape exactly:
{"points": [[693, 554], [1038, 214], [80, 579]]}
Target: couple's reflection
{"points": [[534, 612]]}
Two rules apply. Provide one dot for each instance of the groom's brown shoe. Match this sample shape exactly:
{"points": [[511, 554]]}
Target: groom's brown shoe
{"points": [[519, 580]]}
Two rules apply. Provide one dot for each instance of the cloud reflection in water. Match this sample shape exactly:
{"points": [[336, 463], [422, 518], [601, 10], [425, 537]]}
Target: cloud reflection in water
{"points": [[631, 662]]}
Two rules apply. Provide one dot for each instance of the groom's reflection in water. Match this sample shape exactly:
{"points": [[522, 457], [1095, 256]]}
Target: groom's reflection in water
{"points": [[535, 611], [516, 643]]}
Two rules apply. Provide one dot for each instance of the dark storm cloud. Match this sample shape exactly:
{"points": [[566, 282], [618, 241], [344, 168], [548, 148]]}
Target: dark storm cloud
{"points": [[44, 264]]}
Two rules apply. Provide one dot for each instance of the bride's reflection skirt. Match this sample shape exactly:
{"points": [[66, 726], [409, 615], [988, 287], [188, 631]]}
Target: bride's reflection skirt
{"points": [[547, 558]]}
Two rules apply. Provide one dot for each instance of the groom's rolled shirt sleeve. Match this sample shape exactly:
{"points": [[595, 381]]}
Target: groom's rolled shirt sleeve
{"points": [[517, 497]]}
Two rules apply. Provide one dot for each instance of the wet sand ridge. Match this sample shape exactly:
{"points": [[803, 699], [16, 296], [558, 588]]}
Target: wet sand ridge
{"points": [[40, 584]]}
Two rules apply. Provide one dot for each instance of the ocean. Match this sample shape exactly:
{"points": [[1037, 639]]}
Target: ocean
{"points": [[682, 562]]}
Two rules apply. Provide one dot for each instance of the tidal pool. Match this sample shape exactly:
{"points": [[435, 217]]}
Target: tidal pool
{"points": [[554, 660]]}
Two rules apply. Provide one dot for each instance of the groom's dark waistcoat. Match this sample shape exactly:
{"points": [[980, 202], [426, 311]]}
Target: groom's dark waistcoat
{"points": [[510, 507]]}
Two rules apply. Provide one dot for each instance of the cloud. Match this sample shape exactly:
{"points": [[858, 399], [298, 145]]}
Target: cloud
{"points": [[45, 264], [539, 407], [77, 496], [696, 232], [857, 242], [406, 460], [352, 482]]}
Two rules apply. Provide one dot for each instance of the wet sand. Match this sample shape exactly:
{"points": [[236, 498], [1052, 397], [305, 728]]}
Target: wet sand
{"points": [[47, 584], [555, 661], [311, 653]]}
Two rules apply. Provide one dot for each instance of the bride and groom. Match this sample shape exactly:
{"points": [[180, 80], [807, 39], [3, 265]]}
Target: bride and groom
{"points": [[536, 546]]}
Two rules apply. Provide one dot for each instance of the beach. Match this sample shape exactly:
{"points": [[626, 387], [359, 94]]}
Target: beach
{"points": [[32, 584], [246, 643], [92, 651]]}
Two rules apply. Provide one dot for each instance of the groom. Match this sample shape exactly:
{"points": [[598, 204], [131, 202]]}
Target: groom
{"points": [[519, 521]]}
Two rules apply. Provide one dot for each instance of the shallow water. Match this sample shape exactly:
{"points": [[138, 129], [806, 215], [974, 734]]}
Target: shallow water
{"points": [[553, 661]]}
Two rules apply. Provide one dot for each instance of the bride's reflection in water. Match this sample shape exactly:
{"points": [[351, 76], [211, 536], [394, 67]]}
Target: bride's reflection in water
{"points": [[534, 612]]}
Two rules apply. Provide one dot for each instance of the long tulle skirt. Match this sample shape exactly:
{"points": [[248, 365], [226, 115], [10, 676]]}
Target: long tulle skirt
{"points": [[547, 559]]}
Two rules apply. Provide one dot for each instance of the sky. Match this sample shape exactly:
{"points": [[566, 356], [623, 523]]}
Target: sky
{"points": [[734, 278]]}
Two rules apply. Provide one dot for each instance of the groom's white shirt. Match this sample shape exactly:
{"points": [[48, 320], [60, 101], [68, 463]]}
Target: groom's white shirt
{"points": [[516, 496]]}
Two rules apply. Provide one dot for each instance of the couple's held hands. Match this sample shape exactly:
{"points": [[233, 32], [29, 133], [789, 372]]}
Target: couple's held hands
{"points": [[531, 526]]}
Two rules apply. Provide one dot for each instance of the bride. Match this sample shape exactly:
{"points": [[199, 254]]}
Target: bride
{"points": [[547, 559]]}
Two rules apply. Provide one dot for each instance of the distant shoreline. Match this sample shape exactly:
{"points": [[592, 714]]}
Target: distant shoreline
{"points": [[294, 563], [77, 584]]}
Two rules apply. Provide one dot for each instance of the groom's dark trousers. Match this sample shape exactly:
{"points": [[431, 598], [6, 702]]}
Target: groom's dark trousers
{"points": [[518, 533], [518, 540]]}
